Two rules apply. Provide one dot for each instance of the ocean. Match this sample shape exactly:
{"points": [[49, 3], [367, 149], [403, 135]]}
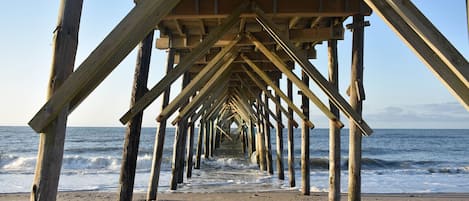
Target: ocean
{"points": [[394, 161]]}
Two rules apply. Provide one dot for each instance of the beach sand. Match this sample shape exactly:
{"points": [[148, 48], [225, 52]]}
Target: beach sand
{"points": [[258, 196]]}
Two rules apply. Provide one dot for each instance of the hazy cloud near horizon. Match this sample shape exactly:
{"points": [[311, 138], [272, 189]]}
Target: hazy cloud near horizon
{"points": [[439, 115]]}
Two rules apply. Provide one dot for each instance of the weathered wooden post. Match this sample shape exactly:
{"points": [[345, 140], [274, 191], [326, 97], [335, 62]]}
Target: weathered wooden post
{"points": [[251, 137], [279, 135], [190, 148], [132, 134], [334, 132], [51, 142], [291, 145], [200, 137], [160, 133], [305, 165], [356, 98], [207, 139], [180, 131], [260, 135], [268, 144], [183, 141]]}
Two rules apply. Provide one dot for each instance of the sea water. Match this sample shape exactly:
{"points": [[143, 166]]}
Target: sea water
{"points": [[394, 161]]}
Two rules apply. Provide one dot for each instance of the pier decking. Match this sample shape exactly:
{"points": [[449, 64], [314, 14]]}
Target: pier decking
{"points": [[231, 56]]}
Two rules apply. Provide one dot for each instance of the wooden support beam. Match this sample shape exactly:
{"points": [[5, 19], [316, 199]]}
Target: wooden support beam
{"points": [[251, 137], [113, 49], [224, 133], [243, 102], [295, 35], [326, 87], [316, 21], [160, 137], [132, 133], [218, 104], [261, 127], [185, 64], [226, 55], [198, 153], [52, 138], [453, 59], [221, 73], [179, 28], [242, 111], [291, 138], [271, 114], [178, 142], [428, 44], [264, 89], [180, 160], [355, 137], [334, 132], [219, 9], [305, 163], [190, 147], [277, 90], [207, 139], [268, 144], [293, 21], [211, 136], [279, 136], [305, 89], [203, 30]]}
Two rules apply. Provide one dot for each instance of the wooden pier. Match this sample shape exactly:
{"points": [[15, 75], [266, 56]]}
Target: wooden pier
{"points": [[231, 56]]}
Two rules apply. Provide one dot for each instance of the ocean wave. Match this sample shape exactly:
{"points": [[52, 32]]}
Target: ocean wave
{"points": [[17, 163], [373, 164], [380, 164], [72, 164], [450, 170], [228, 163], [83, 163]]}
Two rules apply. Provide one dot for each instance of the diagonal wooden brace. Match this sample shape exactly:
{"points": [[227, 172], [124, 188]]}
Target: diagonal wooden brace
{"points": [[186, 63], [311, 70], [305, 89], [277, 90], [110, 52]]}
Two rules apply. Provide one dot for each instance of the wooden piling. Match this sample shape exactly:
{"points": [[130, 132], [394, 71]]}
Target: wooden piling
{"points": [[160, 134], [175, 168], [207, 139], [51, 141], [355, 135], [244, 142], [268, 144], [181, 160], [200, 137], [182, 146], [261, 136], [305, 164], [279, 135], [251, 137], [291, 144], [132, 134], [211, 137], [334, 131], [190, 148]]}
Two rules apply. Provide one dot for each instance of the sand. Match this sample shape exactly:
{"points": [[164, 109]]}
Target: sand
{"points": [[260, 196]]}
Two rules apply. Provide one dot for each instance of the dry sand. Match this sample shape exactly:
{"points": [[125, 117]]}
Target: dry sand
{"points": [[260, 196]]}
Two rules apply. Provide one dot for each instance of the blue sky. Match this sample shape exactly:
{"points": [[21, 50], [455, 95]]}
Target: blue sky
{"points": [[401, 91]]}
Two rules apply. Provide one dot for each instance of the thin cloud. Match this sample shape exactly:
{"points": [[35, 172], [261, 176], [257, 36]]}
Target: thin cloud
{"points": [[440, 115]]}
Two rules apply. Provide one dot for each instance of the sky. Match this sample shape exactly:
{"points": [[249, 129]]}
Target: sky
{"points": [[400, 90]]}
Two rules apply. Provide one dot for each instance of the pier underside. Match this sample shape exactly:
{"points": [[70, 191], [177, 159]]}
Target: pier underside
{"points": [[231, 56]]}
